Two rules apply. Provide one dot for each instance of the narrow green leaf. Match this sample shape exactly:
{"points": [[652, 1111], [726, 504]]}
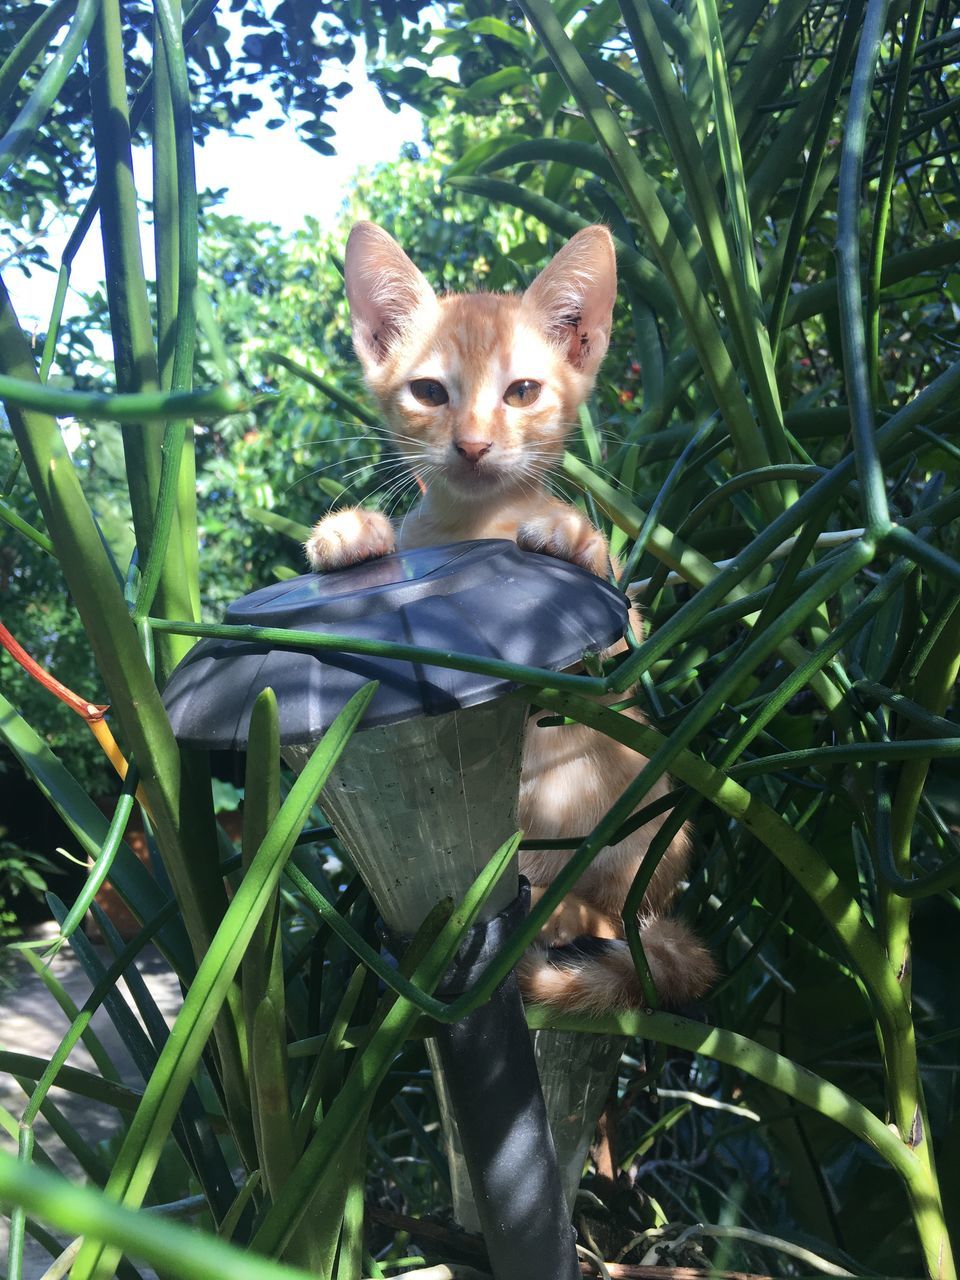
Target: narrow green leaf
{"points": [[21, 132], [500, 30], [541, 150], [84, 1084], [474, 156], [642, 194], [262, 965], [496, 84], [738, 293], [141, 1150], [105, 856], [645, 277], [171, 1248], [209, 403], [350, 1107], [764, 1064], [29, 47], [330, 389], [278, 523]]}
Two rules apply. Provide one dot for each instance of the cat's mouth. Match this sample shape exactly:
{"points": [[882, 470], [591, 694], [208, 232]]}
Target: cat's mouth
{"points": [[471, 476]]}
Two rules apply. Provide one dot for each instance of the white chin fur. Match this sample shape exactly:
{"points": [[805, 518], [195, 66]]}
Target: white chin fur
{"points": [[482, 483]]}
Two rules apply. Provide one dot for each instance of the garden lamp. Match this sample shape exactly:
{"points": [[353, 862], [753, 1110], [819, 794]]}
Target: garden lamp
{"points": [[425, 791]]}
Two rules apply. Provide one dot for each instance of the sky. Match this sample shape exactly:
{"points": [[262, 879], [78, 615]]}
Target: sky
{"points": [[275, 177], [271, 175]]}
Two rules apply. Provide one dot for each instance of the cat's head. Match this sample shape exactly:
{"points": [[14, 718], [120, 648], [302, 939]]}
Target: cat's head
{"points": [[479, 390]]}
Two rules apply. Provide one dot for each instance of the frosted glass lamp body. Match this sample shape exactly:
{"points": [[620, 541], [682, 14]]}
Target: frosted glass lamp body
{"points": [[420, 806], [576, 1073]]}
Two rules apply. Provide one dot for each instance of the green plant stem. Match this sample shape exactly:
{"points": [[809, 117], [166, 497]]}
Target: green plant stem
{"points": [[195, 19], [802, 862], [932, 688], [856, 374], [21, 133], [652, 520], [145, 406], [135, 356], [282, 638], [745, 480], [891, 1009], [793, 683], [907, 709], [192, 1130], [689, 563], [645, 278], [171, 792], [759, 819], [738, 288], [9, 517], [91, 581], [920, 750], [30, 45], [78, 1028], [104, 860], [176, 234], [137, 1160], [933, 882], [262, 978], [849, 28], [781, 1074], [171, 1248], [166, 225], [350, 1106], [18, 1219], [896, 112], [729, 146], [923, 553], [824, 491], [324, 1075], [644, 199], [786, 1077], [824, 296]]}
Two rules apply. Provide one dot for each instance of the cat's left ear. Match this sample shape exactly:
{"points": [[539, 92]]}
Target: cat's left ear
{"points": [[573, 296]]}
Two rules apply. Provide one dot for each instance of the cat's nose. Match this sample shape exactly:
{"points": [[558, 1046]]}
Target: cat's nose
{"points": [[473, 450]]}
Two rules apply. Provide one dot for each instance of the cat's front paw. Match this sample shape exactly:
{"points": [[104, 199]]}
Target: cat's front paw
{"points": [[348, 537], [568, 535]]}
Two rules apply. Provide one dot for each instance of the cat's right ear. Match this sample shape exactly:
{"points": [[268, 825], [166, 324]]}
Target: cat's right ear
{"points": [[572, 298], [388, 295]]}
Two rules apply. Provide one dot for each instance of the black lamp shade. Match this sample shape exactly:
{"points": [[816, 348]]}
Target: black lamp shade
{"points": [[487, 599]]}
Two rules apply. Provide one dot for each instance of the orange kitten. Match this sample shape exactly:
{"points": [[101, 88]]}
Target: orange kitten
{"points": [[479, 391]]}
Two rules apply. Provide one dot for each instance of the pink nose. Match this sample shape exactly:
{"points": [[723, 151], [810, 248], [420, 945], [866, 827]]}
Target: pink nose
{"points": [[473, 450]]}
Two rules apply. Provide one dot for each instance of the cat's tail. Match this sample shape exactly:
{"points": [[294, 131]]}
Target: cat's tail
{"points": [[594, 975]]}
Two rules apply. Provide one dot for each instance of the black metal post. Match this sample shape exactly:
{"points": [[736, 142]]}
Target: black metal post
{"points": [[490, 1074]]}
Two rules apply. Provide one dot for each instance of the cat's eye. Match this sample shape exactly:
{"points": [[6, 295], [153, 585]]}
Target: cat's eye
{"points": [[521, 393], [429, 392]]}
